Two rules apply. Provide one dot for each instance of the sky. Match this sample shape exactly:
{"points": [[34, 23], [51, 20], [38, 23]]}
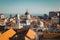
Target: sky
{"points": [[33, 6]]}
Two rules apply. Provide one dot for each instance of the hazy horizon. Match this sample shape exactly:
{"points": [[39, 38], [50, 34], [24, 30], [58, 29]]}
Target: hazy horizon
{"points": [[33, 6]]}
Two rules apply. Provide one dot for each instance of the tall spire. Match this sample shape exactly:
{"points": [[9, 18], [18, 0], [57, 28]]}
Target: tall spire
{"points": [[26, 10], [26, 13]]}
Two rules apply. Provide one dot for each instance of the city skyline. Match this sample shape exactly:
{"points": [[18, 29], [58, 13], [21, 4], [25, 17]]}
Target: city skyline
{"points": [[33, 6]]}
